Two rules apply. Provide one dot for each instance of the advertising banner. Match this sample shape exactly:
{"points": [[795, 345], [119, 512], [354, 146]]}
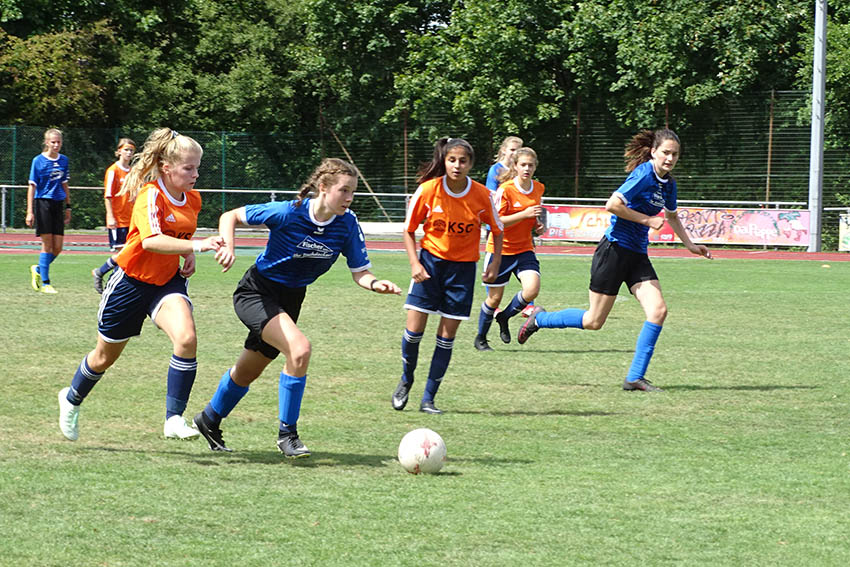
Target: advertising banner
{"points": [[768, 227]]}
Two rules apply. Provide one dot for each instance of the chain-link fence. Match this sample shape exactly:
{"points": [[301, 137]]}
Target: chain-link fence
{"points": [[749, 149]]}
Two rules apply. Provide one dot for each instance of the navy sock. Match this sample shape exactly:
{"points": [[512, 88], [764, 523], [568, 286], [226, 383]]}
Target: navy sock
{"points": [[181, 377], [561, 319], [83, 381], [516, 305], [226, 396], [439, 365], [485, 319], [107, 266], [409, 354], [290, 392], [644, 348]]}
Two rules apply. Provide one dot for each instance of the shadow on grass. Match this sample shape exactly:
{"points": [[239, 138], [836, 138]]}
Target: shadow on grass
{"points": [[316, 460], [570, 351], [742, 388], [529, 413]]}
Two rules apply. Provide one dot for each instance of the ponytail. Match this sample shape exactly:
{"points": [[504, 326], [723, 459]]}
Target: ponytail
{"points": [[437, 166], [639, 148], [325, 174], [164, 145]]}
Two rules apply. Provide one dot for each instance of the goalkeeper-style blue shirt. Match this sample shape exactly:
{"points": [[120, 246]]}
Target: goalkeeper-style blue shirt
{"points": [[645, 192], [301, 248], [48, 176]]}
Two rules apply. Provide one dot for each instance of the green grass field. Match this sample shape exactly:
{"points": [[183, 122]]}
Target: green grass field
{"points": [[742, 460]]}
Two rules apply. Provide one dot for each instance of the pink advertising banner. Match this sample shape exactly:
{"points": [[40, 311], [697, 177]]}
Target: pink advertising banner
{"points": [[770, 227]]}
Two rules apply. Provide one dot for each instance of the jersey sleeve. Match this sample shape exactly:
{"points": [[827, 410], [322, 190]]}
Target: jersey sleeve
{"points": [[148, 213], [108, 183], [34, 171], [66, 169], [491, 217], [493, 177], [354, 248], [629, 188], [671, 198], [416, 211], [272, 214]]}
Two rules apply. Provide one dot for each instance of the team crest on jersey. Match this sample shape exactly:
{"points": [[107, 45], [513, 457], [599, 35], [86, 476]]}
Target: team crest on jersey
{"points": [[439, 225], [312, 248]]}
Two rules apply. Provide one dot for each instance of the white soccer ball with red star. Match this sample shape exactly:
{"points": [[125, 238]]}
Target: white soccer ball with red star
{"points": [[422, 451]]}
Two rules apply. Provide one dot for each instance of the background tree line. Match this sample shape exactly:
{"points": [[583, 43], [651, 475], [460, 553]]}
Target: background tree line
{"points": [[481, 69]]}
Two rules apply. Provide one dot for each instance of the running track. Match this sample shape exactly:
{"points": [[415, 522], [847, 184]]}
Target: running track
{"points": [[27, 243]]}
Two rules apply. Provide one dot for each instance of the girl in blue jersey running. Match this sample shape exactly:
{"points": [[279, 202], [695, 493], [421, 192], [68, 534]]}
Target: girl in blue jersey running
{"points": [[509, 146], [48, 206], [305, 238], [621, 254]]}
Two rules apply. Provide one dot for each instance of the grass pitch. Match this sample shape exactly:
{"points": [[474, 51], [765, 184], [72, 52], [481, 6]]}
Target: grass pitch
{"points": [[742, 460]]}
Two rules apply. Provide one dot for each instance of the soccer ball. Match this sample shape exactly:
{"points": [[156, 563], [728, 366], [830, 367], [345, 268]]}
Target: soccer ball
{"points": [[422, 451]]}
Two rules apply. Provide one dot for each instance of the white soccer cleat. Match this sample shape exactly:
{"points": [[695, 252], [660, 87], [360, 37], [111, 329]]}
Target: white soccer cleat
{"points": [[69, 416], [47, 288], [176, 428]]}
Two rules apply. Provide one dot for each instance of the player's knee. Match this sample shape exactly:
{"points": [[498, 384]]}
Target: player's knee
{"points": [[300, 353], [658, 314], [186, 343], [592, 323]]}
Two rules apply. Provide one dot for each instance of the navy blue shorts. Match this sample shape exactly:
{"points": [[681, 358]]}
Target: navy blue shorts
{"points": [[257, 300], [49, 216], [127, 301], [612, 265], [449, 290], [513, 264], [118, 237]]}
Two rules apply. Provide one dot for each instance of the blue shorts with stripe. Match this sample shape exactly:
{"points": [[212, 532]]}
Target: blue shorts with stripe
{"points": [[513, 264], [449, 290], [127, 301]]}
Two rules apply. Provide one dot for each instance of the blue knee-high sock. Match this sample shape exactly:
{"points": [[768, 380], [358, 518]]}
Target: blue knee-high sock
{"points": [[83, 381], [485, 319], [108, 265], [44, 261], [516, 305], [409, 354], [181, 376], [439, 365], [644, 348], [290, 391], [226, 396], [561, 319]]}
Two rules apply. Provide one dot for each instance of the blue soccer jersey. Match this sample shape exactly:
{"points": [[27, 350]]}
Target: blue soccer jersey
{"points": [[301, 248], [642, 191], [493, 176], [48, 176]]}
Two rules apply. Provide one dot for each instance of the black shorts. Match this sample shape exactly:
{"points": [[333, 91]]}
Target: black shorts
{"points": [[49, 216], [257, 300], [612, 265]]}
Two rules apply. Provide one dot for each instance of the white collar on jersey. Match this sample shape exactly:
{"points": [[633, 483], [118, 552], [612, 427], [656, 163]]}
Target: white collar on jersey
{"points": [[175, 202], [521, 190], [457, 195]]}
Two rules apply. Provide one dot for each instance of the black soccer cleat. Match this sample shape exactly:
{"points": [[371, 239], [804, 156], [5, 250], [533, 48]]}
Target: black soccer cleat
{"points": [[641, 384], [429, 407], [482, 344], [530, 326], [401, 394], [504, 329], [211, 433], [291, 446]]}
